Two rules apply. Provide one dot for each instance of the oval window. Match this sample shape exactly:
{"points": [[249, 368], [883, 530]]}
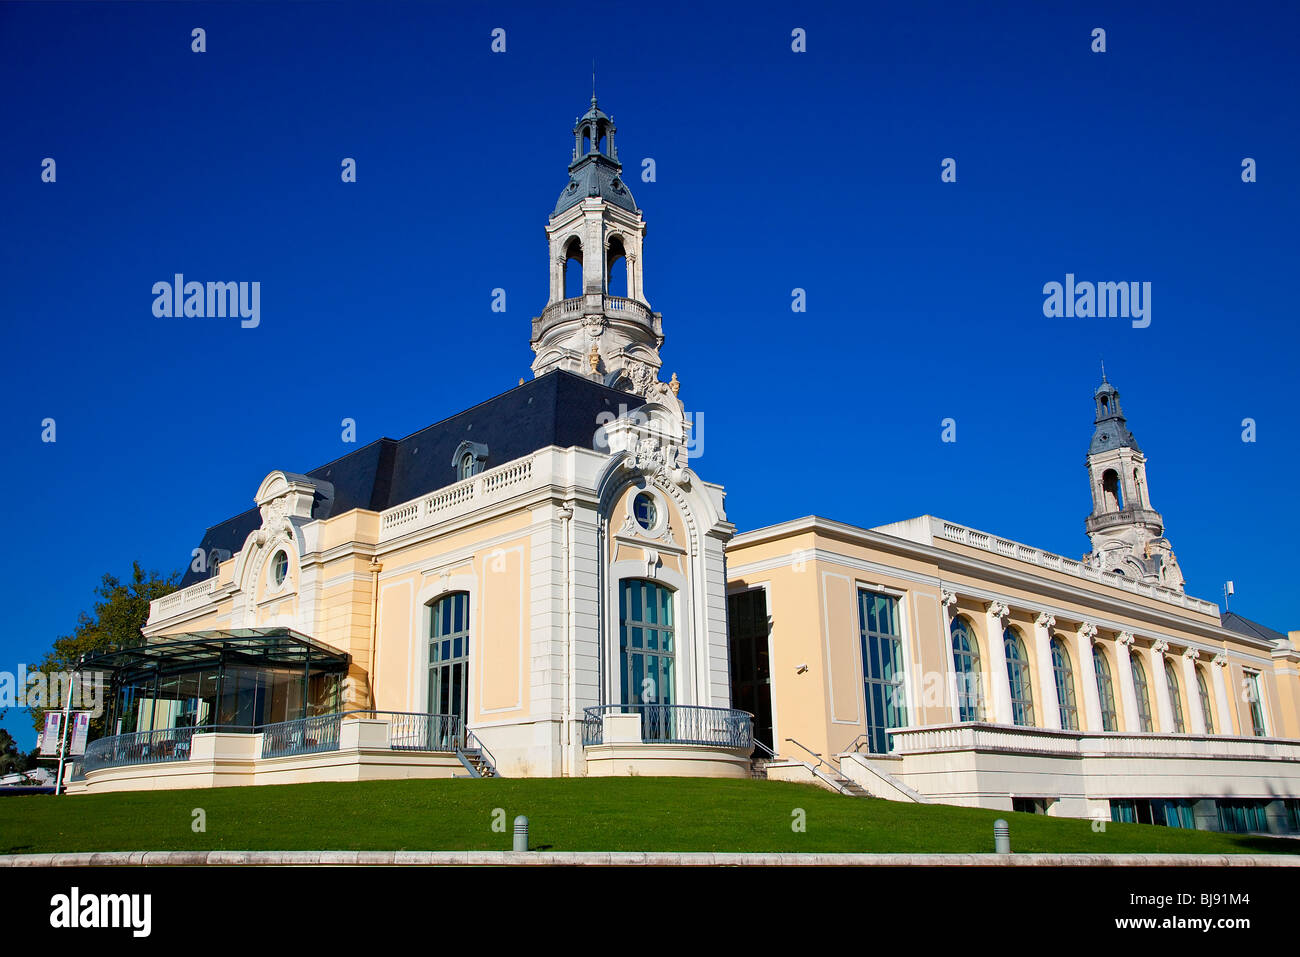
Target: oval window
{"points": [[644, 510], [279, 568]]}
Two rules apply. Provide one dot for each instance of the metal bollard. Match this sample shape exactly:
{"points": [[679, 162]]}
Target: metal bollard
{"points": [[1001, 837], [521, 833]]}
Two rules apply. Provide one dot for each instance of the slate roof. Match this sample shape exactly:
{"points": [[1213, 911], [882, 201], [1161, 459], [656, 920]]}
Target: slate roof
{"points": [[1244, 626], [596, 175], [558, 408]]}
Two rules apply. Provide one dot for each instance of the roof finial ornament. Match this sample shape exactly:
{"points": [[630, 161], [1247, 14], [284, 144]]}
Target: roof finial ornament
{"points": [[593, 81], [1103, 370]]}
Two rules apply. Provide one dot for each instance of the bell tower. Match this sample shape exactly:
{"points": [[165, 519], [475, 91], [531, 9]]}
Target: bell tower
{"points": [[597, 321], [1127, 533]]}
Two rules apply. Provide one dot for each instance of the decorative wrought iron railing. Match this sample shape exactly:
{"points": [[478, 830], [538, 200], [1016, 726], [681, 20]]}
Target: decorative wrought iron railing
{"points": [[142, 747], [301, 736], [408, 731], [415, 731], [676, 724]]}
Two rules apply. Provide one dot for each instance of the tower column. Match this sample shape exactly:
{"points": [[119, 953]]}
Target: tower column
{"points": [[1164, 703], [1083, 640], [1046, 671], [946, 600], [1128, 694], [1221, 693], [995, 623], [1196, 716]]}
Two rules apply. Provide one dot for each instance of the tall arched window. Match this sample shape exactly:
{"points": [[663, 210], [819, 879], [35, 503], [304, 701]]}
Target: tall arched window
{"points": [[449, 656], [1111, 490], [646, 643], [573, 268], [1206, 710], [1064, 675], [1175, 696], [1022, 694], [970, 682], [1105, 690], [1140, 689], [617, 280]]}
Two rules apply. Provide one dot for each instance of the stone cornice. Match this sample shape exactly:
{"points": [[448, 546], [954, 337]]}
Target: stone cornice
{"points": [[996, 574]]}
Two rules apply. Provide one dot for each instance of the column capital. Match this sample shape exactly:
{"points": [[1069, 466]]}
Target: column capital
{"points": [[1191, 654], [1088, 631], [1221, 659], [1161, 646], [1045, 620], [998, 609], [948, 597], [1126, 638]]}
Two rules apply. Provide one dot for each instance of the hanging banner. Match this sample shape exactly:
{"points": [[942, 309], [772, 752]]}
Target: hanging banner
{"points": [[80, 730], [50, 736]]}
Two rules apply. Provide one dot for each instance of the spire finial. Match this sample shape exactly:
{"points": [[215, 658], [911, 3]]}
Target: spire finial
{"points": [[593, 81], [1103, 370]]}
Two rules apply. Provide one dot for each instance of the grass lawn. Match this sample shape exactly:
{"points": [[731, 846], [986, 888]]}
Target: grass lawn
{"points": [[583, 814]]}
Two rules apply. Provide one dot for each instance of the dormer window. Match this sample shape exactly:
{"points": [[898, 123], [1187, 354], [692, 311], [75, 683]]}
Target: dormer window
{"points": [[469, 460]]}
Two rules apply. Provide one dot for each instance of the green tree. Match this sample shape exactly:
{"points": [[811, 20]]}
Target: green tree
{"points": [[11, 759], [120, 612]]}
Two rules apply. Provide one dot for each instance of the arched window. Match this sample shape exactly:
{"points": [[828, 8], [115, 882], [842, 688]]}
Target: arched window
{"points": [[1142, 693], [970, 682], [1111, 490], [1064, 675], [449, 658], [1175, 696], [646, 642], [1022, 695], [1105, 690], [465, 468], [1204, 689], [573, 268], [617, 280]]}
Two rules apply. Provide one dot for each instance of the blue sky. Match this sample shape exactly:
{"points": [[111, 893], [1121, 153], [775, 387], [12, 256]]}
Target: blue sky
{"points": [[775, 170]]}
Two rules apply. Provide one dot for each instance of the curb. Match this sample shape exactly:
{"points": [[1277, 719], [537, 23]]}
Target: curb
{"points": [[625, 859]]}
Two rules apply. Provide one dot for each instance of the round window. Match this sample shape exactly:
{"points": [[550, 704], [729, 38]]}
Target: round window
{"points": [[645, 511], [279, 568]]}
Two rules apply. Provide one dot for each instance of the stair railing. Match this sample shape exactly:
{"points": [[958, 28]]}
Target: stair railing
{"points": [[836, 772], [489, 759]]}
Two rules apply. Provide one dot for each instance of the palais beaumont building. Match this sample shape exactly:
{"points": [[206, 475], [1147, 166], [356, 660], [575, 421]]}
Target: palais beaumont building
{"points": [[542, 585]]}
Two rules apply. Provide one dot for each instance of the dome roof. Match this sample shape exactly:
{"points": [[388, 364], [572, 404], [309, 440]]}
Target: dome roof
{"points": [[593, 178]]}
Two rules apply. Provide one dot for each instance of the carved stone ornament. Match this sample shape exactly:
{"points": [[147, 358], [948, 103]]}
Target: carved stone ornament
{"points": [[1160, 646], [1191, 654], [1088, 631], [1126, 638], [949, 598], [1045, 620], [275, 523], [999, 609]]}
